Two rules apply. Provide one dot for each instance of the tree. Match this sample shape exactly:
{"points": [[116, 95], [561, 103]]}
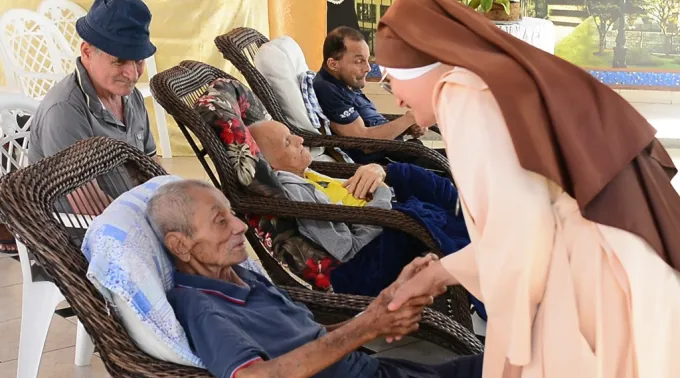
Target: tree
{"points": [[627, 9], [604, 14], [541, 8], [664, 13]]}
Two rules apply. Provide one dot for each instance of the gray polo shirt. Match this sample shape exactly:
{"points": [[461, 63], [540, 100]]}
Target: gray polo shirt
{"points": [[72, 111]]}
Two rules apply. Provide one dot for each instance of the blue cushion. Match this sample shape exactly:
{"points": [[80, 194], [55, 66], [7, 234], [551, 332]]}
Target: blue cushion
{"points": [[130, 267], [128, 260]]}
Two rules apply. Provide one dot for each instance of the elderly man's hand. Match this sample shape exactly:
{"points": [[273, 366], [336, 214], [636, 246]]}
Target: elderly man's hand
{"points": [[381, 322], [366, 180], [408, 273], [395, 324]]}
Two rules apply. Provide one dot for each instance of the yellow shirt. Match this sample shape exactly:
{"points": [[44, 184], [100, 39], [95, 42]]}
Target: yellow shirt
{"points": [[333, 189]]}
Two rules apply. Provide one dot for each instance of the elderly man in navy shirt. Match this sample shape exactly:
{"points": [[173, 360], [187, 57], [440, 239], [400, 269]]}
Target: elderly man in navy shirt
{"points": [[338, 88], [242, 326]]}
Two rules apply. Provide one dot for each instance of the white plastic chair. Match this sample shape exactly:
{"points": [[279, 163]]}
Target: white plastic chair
{"points": [[35, 53], [64, 14], [12, 105], [40, 298]]}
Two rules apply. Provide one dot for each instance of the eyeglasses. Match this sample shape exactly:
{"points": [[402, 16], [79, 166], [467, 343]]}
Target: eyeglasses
{"points": [[385, 85]]}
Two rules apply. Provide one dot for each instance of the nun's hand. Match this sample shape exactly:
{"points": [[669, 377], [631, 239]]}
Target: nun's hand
{"points": [[428, 281]]}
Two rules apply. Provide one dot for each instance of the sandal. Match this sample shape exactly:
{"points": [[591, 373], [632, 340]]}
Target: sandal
{"points": [[7, 243]]}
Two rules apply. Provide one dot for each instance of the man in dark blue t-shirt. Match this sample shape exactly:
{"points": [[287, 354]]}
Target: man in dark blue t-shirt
{"points": [[241, 326], [338, 87]]}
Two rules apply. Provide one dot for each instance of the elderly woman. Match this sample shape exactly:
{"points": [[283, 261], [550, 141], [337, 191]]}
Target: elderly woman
{"points": [[566, 194]]}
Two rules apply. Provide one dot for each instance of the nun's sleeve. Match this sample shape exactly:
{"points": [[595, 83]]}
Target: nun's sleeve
{"points": [[508, 209]]}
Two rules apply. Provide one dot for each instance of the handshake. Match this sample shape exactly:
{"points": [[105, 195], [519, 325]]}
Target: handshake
{"points": [[398, 309]]}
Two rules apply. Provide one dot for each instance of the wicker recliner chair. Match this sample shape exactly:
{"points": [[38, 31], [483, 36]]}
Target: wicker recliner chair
{"points": [[29, 196], [240, 46], [178, 88]]}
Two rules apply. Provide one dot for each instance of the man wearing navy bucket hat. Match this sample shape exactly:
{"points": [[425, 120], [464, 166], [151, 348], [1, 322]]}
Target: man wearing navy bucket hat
{"points": [[100, 98]]}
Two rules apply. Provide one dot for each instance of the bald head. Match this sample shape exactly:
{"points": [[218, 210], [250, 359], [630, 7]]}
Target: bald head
{"points": [[280, 148], [268, 136]]}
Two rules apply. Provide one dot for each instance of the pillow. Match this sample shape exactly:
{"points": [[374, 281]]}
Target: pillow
{"points": [[228, 107], [309, 263], [131, 269], [281, 61], [223, 107]]}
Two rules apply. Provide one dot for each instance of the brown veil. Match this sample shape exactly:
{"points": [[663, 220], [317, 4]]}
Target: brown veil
{"points": [[564, 124]]}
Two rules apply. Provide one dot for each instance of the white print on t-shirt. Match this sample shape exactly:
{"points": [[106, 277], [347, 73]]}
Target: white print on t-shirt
{"points": [[347, 113]]}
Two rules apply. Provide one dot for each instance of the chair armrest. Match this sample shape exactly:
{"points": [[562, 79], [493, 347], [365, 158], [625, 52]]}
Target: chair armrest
{"points": [[434, 326], [335, 169], [335, 213], [412, 149]]}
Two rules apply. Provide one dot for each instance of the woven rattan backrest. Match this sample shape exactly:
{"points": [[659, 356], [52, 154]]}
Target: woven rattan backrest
{"points": [[240, 46], [30, 197], [177, 89]]}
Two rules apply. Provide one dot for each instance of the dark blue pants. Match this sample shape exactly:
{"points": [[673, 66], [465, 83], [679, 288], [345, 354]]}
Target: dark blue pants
{"points": [[461, 367]]}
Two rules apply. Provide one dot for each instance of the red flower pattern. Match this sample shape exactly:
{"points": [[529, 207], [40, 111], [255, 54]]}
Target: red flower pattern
{"points": [[243, 104], [319, 273], [268, 240], [253, 221], [226, 134], [254, 149]]}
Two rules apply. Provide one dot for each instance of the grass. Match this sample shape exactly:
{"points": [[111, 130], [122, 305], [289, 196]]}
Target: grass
{"points": [[579, 46]]}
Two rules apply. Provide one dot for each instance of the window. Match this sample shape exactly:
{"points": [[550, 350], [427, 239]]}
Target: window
{"points": [[366, 13], [369, 34]]}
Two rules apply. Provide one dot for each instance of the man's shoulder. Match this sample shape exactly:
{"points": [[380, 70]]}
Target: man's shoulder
{"points": [[321, 84], [188, 302], [65, 95], [64, 90], [182, 294]]}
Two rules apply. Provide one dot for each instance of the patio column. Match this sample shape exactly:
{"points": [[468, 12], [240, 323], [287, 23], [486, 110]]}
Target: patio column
{"points": [[302, 20]]}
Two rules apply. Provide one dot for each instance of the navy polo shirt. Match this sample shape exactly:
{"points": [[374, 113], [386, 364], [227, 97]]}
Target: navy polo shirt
{"points": [[343, 105], [231, 327]]}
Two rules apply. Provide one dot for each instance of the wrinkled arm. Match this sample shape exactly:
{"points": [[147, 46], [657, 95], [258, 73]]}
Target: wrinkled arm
{"points": [[386, 131], [346, 121], [315, 356]]}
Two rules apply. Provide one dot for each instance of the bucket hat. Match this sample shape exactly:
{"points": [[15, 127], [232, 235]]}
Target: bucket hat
{"points": [[119, 28]]}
